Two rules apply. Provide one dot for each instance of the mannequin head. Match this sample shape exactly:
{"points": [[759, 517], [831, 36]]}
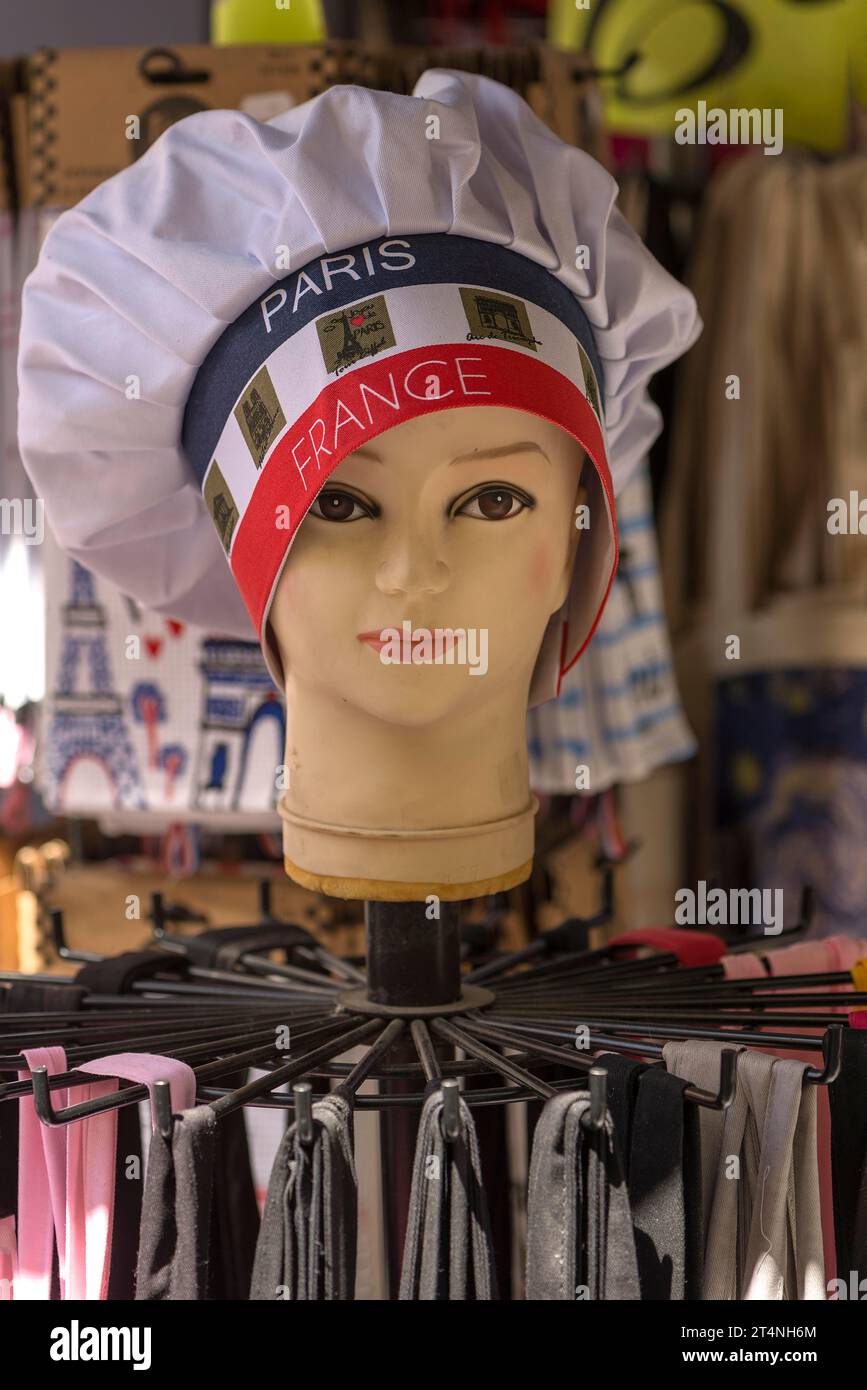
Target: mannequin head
{"points": [[459, 519]]}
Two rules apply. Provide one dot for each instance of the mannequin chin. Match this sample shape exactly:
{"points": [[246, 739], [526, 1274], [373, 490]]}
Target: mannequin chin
{"points": [[406, 740]]}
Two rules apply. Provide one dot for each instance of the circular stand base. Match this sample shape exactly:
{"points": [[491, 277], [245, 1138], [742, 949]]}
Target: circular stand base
{"points": [[472, 997]]}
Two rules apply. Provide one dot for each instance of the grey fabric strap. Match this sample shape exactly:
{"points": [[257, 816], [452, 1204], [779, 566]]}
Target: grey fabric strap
{"points": [[176, 1210], [580, 1242], [448, 1251], [307, 1243], [760, 1175]]}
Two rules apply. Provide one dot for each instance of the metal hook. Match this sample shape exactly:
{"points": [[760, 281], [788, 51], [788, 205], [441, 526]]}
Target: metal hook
{"points": [[57, 932], [832, 1054], [163, 1108], [728, 1078], [451, 1119], [303, 1093], [158, 916], [265, 912], [65, 952], [47, 1114], [606, 904], [807, 908], [598, 1085], [42, 1097]]}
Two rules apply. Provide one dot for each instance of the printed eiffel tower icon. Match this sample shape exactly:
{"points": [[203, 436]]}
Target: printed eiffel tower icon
{"points": [[87, 720]]}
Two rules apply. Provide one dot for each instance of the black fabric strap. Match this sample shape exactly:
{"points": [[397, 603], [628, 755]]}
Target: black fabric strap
{"points": [[9, 1158], [234, 1211], [220, 948], [127, 1205], [848, 1101], [118, 974], [176, 1211], [29, 997], [620, 1092], [664, 1189]]}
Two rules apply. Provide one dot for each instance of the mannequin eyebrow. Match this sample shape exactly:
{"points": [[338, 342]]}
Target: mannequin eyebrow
{"points": [[476, 456], [482, 455]]}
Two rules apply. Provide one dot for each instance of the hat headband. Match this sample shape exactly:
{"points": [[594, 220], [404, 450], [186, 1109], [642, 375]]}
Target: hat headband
{"points": [[358, 342]]}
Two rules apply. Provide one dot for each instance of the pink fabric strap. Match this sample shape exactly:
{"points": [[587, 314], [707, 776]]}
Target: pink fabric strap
{"points": [[803, 958], [148, 1068], [92, 1158], [8, 1257], [844, 951], [41, 1185], [90, 1163], [743, 967]]}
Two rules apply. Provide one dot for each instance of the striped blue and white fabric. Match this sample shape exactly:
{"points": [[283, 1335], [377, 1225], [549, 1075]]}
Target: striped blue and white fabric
{"points": [[618, 715]]}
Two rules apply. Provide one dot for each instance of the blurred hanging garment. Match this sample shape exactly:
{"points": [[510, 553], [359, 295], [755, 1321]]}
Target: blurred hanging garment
{"points": [[448, 1252], [763, 527], [618, 712], [307, 1244]]}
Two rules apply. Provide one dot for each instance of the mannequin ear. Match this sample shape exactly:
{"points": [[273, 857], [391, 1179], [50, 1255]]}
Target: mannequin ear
{"points": [[571, 547]]}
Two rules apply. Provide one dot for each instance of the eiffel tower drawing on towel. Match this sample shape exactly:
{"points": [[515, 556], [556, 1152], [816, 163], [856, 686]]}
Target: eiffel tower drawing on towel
{"points": [[87, 720]]}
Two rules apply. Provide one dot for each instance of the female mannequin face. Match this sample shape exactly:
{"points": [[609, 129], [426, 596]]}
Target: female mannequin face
{"points": [[460, 519]]}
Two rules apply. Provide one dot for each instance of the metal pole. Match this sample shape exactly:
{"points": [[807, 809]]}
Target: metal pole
{"points": [[412, 959]]}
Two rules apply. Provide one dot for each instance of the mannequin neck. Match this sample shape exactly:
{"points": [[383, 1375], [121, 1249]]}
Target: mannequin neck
{"points": [[352, 769], [385, 811]]}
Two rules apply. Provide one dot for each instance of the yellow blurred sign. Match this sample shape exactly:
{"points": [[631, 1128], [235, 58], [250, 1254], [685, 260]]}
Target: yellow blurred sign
{"points": [[267, 21], [801, 56]]}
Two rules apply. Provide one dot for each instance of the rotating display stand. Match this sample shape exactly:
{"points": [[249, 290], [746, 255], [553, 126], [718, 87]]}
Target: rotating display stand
{"points": [[437, 1007]]}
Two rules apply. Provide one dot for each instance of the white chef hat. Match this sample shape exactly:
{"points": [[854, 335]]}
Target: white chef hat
{"points": [[211, 331]]}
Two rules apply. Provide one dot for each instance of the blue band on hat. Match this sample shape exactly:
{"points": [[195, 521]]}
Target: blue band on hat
{"points": [[339, 278]]}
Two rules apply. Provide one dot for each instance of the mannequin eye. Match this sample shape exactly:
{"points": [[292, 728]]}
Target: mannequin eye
{"points": [[495, 504], [333, 505]]}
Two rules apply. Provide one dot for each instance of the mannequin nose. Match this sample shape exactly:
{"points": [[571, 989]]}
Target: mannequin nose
{"points": [[411, 569]]}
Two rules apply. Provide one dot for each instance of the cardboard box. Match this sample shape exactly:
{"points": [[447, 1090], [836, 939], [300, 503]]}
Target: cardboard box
{"points": [[7, 87], [88, 113], [92, 112]]}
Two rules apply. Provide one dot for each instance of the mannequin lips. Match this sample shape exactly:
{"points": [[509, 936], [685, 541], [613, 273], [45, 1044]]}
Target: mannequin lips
{"points": [[376, 641], [371, 639]]}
